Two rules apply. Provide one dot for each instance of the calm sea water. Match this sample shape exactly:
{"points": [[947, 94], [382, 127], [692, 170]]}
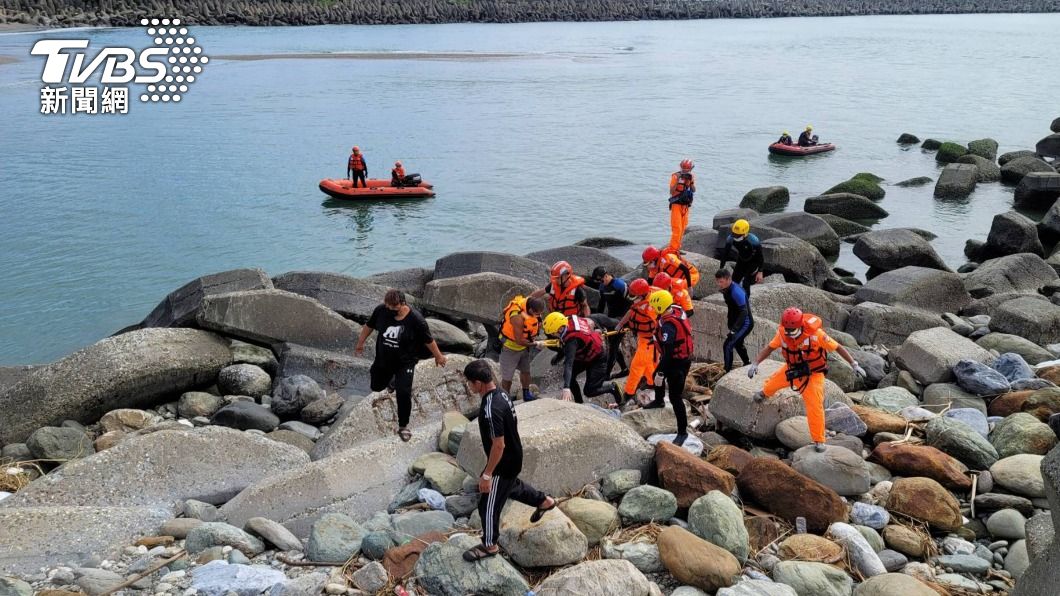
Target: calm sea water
{"points": [[575, 136]]}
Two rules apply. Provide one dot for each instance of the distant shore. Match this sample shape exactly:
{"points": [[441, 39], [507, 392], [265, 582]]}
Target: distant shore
{"points": [[124, 13]]}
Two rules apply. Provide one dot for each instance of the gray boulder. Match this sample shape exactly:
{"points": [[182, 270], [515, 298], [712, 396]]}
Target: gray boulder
{"points": [[1035, 320], [138, 369], [893, 249], [582, 258], [1013, 273], [930, 355], [336, 372], [163, 469], [603, 242], [180, 306], [59, 444], [956, 181], [979, 379], [889, 399], [245, 415], [845, 205], [771, 300], [334, 537], [294, 393], [908, 139], [1022, 433], [956, 438], [462, 264], [767, 199], [274, 316], [297, 496], [244, 379], [212, 534], [988, 171], [874, 323], [1013, 367], [923, 288], [1013, 171], [808, 227], [985, 148], [1038, 190], [647, 504], [1011, 233], [724, 219], [733, 406], [704, 240], [1004, 158], [913, 182], [797, 260], [274, 534], [478, 297], [837, 468], [598, 577], [553, 429], [817, 579], [844, 228], [714, 517], [435, 390], [1031, 352], [553, 541], [1049, 146], [410, 281], [949, 396], [1049, 226], [219, 578], [441, 570], [449, 337], [35, 537], [349, 296]]}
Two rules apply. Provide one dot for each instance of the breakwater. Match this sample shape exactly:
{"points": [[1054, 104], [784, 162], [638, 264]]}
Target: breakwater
{"points": [[119, 13]]}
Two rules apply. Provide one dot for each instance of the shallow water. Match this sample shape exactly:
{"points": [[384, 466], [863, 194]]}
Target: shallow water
{"points": [[574, 136]]}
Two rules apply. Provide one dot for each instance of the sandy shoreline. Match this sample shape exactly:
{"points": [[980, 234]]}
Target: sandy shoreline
{"points": [[450, 56]]}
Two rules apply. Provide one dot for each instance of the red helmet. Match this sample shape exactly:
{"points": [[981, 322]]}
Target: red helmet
{"points": [[639, 287], [650, 254], [687, 164], [661, 281], [791, 318], [560, 268], [355, 149]]}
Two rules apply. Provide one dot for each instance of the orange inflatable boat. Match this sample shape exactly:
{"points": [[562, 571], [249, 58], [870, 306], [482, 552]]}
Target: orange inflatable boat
{"points": [[341, 188]]}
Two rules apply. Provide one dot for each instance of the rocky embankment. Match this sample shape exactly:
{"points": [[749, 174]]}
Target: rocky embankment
{"points": [[127, 13], [228, 442]]}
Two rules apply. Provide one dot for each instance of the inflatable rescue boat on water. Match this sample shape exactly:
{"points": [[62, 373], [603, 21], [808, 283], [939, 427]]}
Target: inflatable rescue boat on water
{"points": [[341, 188], [797, 151]]}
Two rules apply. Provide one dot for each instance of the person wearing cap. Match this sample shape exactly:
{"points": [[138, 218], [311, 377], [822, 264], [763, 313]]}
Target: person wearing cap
{"points": [[747, 248], [807, 138], [397, 175], [357, 168]]}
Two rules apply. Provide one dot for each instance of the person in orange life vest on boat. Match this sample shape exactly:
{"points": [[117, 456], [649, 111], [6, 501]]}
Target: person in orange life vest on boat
{"points": [[807, 138], [564, 291], [785, 139], [356, 168], [674, 339], [682, 190], [397, 179], [805, 346], [641, 318]]}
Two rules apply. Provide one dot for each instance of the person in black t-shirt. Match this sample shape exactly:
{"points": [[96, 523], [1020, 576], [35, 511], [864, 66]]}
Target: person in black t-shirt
{"points": [[498, 426], [403, 333]]}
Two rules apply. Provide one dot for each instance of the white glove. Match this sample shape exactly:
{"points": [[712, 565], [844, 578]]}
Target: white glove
{"points": [[752, 371], [567, 395], [859, 371]]}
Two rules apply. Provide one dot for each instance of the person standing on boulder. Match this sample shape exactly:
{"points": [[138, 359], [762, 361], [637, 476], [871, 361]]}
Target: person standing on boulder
{"points": [[499, 481], [403, 333], [740, 322], [749, 259], [564, 291], [682, 192], [805, 346]]}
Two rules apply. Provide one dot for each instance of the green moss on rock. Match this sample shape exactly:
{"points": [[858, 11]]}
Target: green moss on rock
{"points": [[950, 152], [931, 145], [859, 186]]}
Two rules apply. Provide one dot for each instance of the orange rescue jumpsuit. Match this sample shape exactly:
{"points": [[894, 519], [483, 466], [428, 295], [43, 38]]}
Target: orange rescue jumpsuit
{"points": [[678, 211], [812, 390], [642, 321]]}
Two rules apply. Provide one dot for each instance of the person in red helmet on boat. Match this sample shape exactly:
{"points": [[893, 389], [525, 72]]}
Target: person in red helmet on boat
{"points": [[807, 138], [564, 291], [356, 168], [682, 190], [397, 175]]}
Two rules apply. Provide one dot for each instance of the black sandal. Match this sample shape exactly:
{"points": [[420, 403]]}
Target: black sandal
{"points": [[479, 552], [541, 511]]}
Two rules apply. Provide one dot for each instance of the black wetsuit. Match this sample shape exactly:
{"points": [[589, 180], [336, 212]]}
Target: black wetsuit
{"points": [[740, 324], [674, 372], [748, 260]]}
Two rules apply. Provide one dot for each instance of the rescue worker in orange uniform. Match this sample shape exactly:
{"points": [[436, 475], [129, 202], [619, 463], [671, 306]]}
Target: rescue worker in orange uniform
{"points": [[678, 289], [397, 178], [356, 168], [669, 262], [564, 291], [641, 318], [682, 191], [520, 325], [805, 346]]}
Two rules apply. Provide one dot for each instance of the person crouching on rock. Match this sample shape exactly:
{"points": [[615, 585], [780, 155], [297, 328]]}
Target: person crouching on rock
{"points": [[582, 348], [403, 333], [499, 481], [806, 346]]}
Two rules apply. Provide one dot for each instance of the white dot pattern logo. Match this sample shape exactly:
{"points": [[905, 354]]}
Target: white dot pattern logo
{"points": [[183, 50]]}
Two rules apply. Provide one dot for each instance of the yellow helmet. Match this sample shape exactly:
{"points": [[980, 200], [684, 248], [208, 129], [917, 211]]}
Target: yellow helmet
{"points": [[809, 127], [740, 227], [660, 300], [554, 322], [786, 133]]}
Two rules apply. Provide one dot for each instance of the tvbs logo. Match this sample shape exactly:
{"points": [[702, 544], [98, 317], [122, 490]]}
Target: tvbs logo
{"points": [[167, 69]]}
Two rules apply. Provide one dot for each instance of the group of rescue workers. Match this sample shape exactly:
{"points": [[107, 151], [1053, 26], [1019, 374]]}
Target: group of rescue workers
{"points": [[656, 310], [357, 170]]}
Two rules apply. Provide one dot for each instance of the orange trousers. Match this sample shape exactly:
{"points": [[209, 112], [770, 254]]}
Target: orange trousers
{"points": [[643, 364], [812, 398], [678, 223]]}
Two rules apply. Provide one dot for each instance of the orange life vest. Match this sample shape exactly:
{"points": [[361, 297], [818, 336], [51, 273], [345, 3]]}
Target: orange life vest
{"points": [[683, 346], [679, 290], [356, 161], [585, 330], [642, 321], [398, 173], [531, 324], [676, 267], [683, 182], [562, 300], [807, 346]]}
